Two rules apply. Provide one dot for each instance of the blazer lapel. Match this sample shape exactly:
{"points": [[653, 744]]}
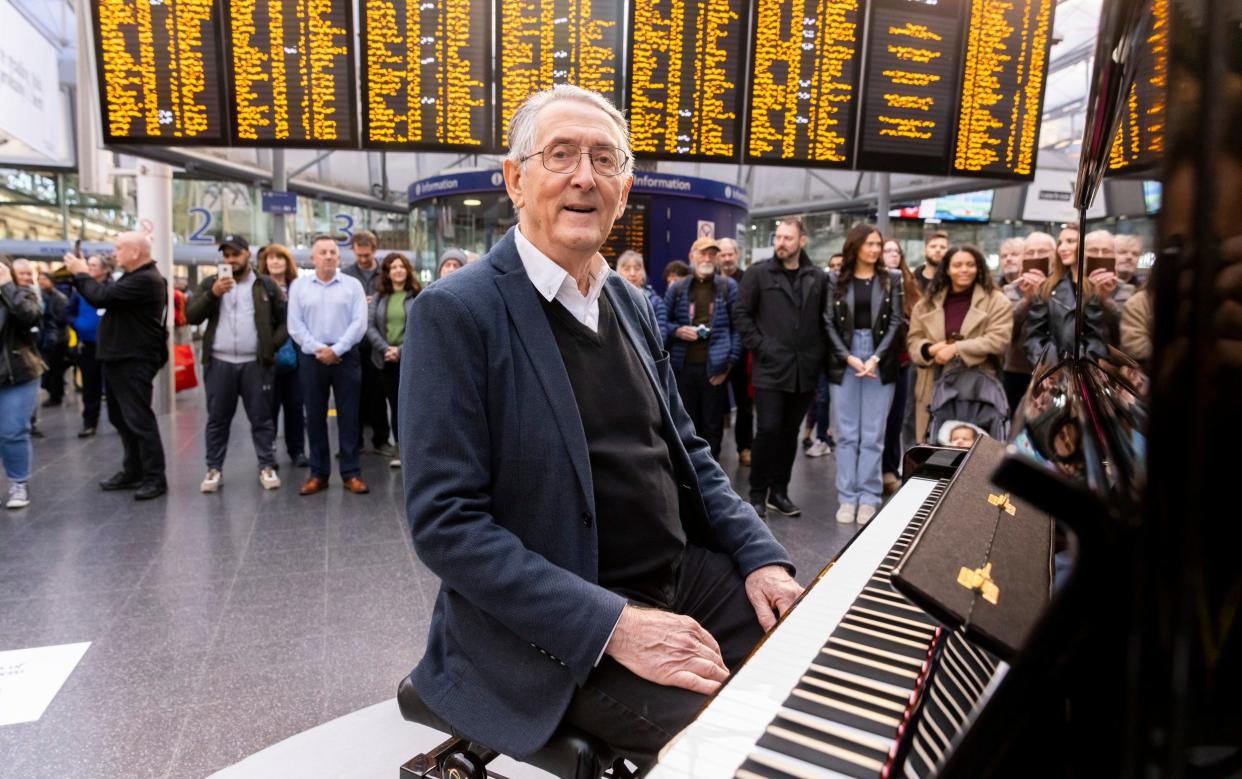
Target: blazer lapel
{"points": [[622, 307], [877, 297], [933, 320], [531, 323]]}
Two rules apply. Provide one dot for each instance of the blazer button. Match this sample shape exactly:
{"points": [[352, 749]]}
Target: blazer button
{"points": [[586, 519]]}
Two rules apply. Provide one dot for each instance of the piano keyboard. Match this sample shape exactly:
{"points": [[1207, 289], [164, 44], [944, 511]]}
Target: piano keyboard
{"points": [[800, 707]]}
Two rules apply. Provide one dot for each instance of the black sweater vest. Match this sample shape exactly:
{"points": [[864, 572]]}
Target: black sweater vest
{"points": [[636, 504]]}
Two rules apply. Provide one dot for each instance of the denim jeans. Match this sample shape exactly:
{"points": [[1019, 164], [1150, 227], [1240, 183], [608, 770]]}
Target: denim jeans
{"points": [[859, 413], [17, 405]]}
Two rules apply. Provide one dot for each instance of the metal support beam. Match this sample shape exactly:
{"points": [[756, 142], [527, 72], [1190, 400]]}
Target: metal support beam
{"points": [[882, 203], [298, 172], [155, 219], [280, 183], [820, 178]]}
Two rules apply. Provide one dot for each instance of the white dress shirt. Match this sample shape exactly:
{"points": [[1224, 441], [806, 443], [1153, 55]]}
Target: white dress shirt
{"points": [[555, 283]]}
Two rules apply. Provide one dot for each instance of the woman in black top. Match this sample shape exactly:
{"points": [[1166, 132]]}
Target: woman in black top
{"points": [[20, 369], [864, 320]]}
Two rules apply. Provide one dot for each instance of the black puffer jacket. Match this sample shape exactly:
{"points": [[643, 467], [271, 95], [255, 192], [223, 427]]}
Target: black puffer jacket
{"points": [[888, 325], [19, 322]]}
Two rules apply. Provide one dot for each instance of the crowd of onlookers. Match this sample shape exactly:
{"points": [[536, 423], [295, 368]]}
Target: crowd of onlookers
{"points": [[872, 355], [281, 343]]}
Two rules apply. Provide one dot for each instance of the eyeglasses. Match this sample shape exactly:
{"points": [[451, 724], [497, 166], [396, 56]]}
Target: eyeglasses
{"points": [[565, 158]]}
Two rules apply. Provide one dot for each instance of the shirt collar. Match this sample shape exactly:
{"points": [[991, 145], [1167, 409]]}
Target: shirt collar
{"points": [[549, 278], [335, 278]]}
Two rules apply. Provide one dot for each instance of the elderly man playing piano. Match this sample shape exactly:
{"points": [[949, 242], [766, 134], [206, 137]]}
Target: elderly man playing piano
{"points": [[596, 567]]}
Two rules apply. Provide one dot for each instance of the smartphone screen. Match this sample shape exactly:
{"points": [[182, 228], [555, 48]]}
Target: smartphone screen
{"points": [[225, 271], [1035, 263], [77, 248], [1107, 263]]}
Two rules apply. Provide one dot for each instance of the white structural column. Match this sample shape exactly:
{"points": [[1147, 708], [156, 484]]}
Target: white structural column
{"points": [[155, 219]]}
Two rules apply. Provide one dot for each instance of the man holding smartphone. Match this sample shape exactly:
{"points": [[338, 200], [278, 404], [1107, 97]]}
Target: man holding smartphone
{"points": [[245, 316]]}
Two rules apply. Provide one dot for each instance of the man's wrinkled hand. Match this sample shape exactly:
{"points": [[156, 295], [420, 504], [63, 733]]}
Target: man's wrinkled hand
{"points": [[669, 649], [75, 264], [771, 591]]}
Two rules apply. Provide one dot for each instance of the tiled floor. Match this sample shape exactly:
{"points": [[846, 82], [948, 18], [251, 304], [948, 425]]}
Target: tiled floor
{"points": [[223, 623]]}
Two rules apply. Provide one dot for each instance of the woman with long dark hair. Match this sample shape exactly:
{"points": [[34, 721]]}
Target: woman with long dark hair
{"points": [[20, 369], [395, 288], [276, 262], [901, 409], [864, 319], [964, 324]]}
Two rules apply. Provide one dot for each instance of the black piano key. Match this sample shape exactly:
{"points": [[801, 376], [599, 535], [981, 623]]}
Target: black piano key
{"points": [[849, 662], [864, 610], [811, 701], [783, 736], [857, 689], [861, 621], [888, 606], [887, 642], [750, 769]]}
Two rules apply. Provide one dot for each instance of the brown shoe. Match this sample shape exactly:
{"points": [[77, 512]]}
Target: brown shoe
{"points": [[743, 457], [313, 484], [892, 483], [357, 486]]}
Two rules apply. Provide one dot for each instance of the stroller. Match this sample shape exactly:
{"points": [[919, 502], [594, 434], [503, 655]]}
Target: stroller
{"points": [[973, 395]]}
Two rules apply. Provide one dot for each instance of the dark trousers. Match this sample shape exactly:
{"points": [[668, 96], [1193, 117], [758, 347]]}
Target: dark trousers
{"points": [[636, 717], [252, 382], [343, 381], [744, 424], [778, 415], [823, 407], [92, 383], [287, 400], [373, 410], [1015, 389], [392, 385], [893, 448], [128, 385], [54, 376], [704, 403]]}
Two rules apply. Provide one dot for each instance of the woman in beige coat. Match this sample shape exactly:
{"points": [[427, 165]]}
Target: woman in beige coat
{"points": [[963, 316]]}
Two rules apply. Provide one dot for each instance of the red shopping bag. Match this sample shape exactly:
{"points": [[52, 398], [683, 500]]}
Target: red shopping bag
{"points": [[183, 364]]}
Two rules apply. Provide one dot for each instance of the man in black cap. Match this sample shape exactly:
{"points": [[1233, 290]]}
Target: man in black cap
{"points": [[245, 316]]}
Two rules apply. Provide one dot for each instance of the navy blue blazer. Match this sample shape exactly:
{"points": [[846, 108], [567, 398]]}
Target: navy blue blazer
{"points": [[501, 503]]}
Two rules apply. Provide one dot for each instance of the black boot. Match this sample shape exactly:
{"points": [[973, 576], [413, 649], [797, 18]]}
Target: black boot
{"points": [[780, 502]]}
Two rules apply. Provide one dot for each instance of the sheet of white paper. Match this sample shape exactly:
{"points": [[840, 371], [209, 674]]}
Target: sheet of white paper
{"points": [[30, 679]]}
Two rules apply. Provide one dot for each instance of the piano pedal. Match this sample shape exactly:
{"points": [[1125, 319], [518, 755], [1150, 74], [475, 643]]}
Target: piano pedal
{"points": [[620, 770], [452, 759]]}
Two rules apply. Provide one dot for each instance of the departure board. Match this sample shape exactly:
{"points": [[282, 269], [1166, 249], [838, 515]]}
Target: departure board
{"points": [[1139, 143], [426, 79], [629, 232], [160, 78], [686, 78], [804, 83], [292, 73], [912, 65], [1002, 95], [548, 42]]}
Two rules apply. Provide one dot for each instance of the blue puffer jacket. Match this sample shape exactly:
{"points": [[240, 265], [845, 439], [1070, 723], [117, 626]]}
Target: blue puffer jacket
{"points": [[724, 346], [661, 311]]}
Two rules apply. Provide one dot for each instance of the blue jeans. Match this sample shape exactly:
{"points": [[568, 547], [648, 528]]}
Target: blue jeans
{"points": [[859, 413], [17, 405]]}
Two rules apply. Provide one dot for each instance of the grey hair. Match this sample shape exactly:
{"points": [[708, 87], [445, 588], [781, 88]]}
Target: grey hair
{"points": [[1016, 240], [629, 255], [1128, 238], [1041, 236], [524, 123], [1098, 235]]}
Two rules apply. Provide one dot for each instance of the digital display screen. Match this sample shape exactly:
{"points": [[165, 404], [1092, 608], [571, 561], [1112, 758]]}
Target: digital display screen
{"points": [[686, 70], [629, 232], [1139, 143], [426, 74], [804, 83], [292, 73], [547, 42], [913, 63], [160, 77], [1004, 72]]}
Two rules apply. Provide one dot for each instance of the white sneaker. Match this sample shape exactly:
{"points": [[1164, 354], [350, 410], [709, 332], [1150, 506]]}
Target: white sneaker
{"points": [[819, 449], [269, 479], [394, 462], [211, 482], [865, 513], [845, 514], [19, 497]]}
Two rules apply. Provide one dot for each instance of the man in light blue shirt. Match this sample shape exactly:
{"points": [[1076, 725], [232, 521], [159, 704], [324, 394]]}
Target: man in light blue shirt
{"points": [[327, 319]]}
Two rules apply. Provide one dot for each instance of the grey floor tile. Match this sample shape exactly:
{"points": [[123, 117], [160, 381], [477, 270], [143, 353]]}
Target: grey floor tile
{"points": [[263, 624], [214, 736], [366, 555], [234, 671]]}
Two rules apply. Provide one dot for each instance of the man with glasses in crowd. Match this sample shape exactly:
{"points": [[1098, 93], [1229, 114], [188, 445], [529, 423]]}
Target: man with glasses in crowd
{"points": [[560, 492]]}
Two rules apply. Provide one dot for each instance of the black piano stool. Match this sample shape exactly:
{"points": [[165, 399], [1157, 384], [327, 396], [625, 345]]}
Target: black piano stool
{"points": [[569, 754]]}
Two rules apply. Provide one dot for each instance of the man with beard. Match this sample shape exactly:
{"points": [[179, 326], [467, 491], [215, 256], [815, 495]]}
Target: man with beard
{"points": [[934, 248], [778, 315]]}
